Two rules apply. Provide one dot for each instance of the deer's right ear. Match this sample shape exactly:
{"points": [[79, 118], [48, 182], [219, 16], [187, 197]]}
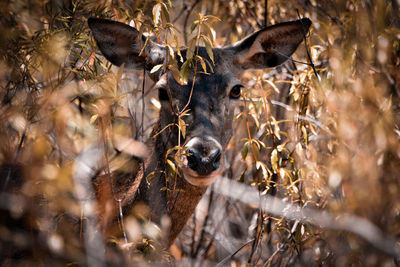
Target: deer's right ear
{"points": [[270, 46], [121, 43]]}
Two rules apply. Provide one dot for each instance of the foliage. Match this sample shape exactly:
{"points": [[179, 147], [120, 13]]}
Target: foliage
{"points": [[322, 134]]}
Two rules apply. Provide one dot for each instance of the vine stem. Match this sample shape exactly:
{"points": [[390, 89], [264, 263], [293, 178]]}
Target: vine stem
{"points": [[195, 69]]}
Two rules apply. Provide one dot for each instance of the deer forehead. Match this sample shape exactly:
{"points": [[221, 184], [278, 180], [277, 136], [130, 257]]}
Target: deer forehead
{"points": [[213, 84]]}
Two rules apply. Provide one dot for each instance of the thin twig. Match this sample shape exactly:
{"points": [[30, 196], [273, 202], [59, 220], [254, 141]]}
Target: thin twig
{"points": [[203, 230], [192, 245], [290, 235], [307, 49], [143, 104], [214, 234], [187, 19], [184, 8], [246, 19], [8, 177], [251, 12], [222, 263], [291, 59], [121, 219], [258, 234]]}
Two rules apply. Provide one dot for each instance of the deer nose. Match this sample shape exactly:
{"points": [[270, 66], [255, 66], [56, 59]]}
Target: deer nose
{"points": [[203, 163]]}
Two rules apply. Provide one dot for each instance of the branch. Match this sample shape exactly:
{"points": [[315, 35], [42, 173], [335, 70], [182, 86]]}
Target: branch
{"points": [[187, 19], [320, 218], [84, 169], [222, 263], [308, 52]]}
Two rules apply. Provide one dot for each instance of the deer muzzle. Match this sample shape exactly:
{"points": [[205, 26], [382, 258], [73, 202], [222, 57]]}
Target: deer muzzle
{"points": [[203, 162]]}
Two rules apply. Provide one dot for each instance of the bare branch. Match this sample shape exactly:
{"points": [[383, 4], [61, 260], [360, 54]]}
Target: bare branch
{"points": [[278, 207], [84, 169]]}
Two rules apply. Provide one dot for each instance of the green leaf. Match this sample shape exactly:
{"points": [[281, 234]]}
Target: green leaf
{"points": [[208, 48], [241, 178], [191, 48], [185, 70], [176, 74], [194, 25], [245, 151]]}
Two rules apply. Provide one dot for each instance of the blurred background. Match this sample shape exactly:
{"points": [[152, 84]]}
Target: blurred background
{"points": [[319, 134]]}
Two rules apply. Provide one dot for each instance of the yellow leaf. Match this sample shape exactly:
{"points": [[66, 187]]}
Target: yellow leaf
{"points": [[274, 160], [157, 13], [156, 68], [165, 12], [208, 48], [177, 75], [245, 150], [212, 18], [93, 118], [273, 85], [171, 166], [171, 51], [178, 51], [277, 131], [305, 136], [203, 64], [185, 71], [182, 126]]}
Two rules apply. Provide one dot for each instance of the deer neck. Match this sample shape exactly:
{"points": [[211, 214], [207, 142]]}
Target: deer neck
{"points": [[179, 202]]}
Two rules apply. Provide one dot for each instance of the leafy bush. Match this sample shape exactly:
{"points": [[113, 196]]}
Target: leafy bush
{"points": [[316, 141]]}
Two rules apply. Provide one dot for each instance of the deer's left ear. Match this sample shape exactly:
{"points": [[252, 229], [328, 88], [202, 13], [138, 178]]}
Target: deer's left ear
{"points": [[270, 46]]}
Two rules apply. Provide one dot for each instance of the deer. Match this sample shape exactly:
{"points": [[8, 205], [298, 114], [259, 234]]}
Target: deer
{"points": [[210, 103]]}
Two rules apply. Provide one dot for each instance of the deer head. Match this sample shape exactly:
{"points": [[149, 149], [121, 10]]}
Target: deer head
{"points": [[209, 98], [214, 95]]}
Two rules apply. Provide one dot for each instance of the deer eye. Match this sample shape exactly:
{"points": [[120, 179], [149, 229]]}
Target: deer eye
{"points": [[163, 94], [235, 91]]}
